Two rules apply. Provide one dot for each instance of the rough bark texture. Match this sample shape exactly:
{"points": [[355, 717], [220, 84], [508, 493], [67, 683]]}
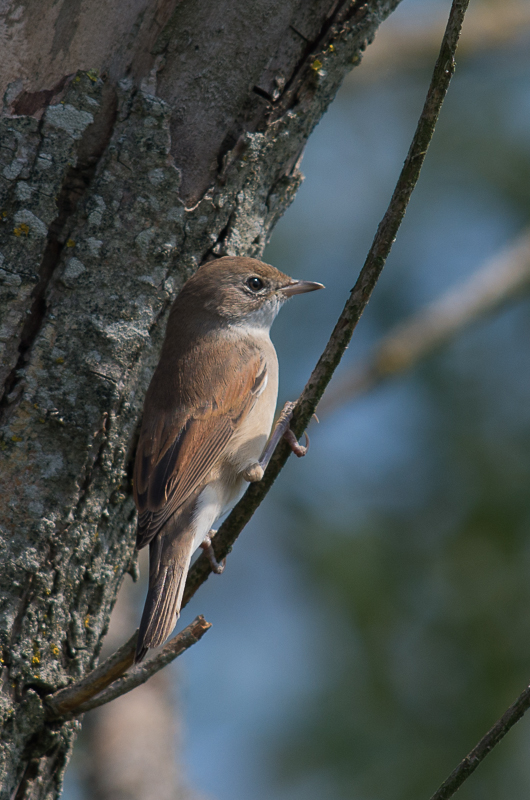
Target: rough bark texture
{"points": [[137, 140]]}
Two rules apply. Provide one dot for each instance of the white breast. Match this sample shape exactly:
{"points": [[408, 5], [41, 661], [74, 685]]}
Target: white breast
{"points": [[248, 442], [244, 448]]}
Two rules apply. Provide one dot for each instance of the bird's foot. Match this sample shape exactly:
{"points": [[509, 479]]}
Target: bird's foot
{"points": [[206, 545]]}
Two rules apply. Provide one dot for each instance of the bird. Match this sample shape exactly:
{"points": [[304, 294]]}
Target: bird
{"points": [[207, 416]]}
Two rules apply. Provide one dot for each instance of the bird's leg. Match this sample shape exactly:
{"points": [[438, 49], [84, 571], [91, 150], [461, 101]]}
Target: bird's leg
{"points": [[206, 545], [281, 430]]}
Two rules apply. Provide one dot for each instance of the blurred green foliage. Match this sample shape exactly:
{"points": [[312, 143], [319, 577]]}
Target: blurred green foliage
{"points": [[427, 589], [435, 601]]}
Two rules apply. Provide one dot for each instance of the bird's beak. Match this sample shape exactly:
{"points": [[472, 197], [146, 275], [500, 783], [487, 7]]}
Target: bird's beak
{"points": [[300, 287]]}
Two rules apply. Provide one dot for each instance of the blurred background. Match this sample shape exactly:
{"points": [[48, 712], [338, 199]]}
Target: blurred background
{"points": [[373, 620]]}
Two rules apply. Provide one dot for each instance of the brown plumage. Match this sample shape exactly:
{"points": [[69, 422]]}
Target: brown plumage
{"points": [[207, 415]]}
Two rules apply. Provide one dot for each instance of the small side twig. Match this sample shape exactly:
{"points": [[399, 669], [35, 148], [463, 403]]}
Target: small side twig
{"points": [[356, 303], [503, 278], [469, 764], [65, 700], [95, 689]]}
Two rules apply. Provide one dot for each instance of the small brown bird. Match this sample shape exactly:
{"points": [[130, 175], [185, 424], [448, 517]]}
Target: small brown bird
{"points": [[207, 416]]}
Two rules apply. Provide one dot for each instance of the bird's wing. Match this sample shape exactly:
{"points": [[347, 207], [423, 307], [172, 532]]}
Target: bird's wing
{"points": [[179, 446]]}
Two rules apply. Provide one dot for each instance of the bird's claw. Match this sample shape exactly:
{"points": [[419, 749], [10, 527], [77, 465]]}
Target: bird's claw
{"points": [[298, 449], [206, 545]]}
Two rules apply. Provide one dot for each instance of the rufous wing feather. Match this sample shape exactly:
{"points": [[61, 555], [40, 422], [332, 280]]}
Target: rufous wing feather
{"points": [[179, 447], [180, 443]]}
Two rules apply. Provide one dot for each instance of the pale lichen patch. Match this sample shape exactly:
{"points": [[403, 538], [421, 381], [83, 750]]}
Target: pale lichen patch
{"points": [[69, 119], [73, 270]]}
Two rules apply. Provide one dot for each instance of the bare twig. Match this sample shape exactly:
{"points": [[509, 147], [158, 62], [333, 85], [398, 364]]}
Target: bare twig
{"points": [[340, 338], [503, 278], [80, 698], [512, 715], [92, 691]]}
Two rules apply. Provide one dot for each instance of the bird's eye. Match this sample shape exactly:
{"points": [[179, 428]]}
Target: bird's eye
{"points": [[255, 283]]}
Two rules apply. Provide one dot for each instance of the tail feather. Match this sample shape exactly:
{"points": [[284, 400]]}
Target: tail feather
{"points": [[169, 560]]}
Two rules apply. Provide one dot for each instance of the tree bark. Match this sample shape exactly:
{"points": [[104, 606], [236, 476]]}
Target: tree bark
{"points": [[137, 140]]}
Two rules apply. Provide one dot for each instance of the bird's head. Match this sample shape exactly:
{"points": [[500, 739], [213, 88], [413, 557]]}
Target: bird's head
{"points": [[242, 291]]}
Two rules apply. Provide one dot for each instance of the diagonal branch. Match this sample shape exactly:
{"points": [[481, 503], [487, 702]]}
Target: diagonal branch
{"points": [[75, 698], [469, 764], [95, 689], [359, 297], [503, 278]]}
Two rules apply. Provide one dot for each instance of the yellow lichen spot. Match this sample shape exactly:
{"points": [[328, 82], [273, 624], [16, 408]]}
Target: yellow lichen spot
{"points": [[331, 49], [77, 79], [59, 360], [55, 650], [16, 438], [35, 405], [41, 419], [70, 243], [36, 654], [87, 620], [21, 230], [93, 74], [35, 660], [316, 65]]}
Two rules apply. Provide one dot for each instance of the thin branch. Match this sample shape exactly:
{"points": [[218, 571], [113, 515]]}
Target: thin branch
{"points": [[76, 700], [92, 691], [486, 744], [340, 338], [503, 278]]}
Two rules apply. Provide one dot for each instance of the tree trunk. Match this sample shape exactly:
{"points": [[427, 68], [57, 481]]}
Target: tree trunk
{"points": [[137, 141]]}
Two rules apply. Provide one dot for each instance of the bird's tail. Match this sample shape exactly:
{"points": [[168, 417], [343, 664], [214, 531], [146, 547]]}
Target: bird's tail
{"points": [[169, 560]]}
